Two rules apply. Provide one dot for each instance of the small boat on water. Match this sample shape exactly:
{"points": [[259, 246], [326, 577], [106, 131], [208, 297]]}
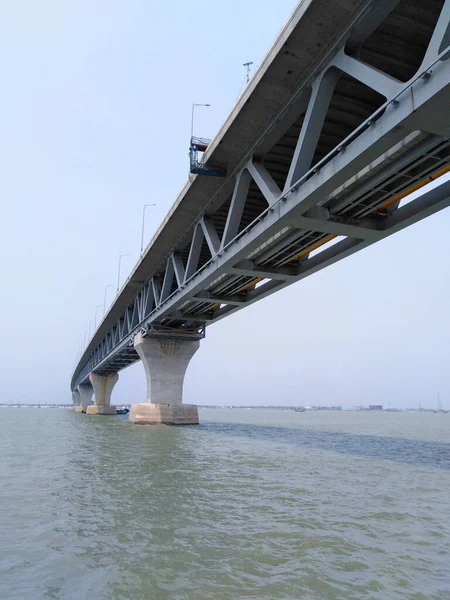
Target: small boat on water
{"points": [[122, 410]]}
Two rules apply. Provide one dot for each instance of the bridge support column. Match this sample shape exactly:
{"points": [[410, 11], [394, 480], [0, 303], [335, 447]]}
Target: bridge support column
{"points": [[76, 399], [85, 392], [102, 387], [165, 362]]}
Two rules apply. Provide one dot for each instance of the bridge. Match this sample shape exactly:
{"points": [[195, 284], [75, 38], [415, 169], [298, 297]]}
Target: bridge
{"points": [[340, 139]]}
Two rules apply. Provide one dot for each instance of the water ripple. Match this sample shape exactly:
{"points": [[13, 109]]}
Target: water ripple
{"points": [[98, 508]]}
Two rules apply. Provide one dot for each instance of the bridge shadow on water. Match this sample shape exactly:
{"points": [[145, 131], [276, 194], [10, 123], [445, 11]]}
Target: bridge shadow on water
{"points": [[404, 450]]}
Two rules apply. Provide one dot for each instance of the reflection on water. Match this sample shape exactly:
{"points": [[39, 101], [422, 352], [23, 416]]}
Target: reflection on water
{"points": [[256, 507]]}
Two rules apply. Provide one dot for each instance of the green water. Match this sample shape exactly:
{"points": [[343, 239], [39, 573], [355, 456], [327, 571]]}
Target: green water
{"points": [[250, 504]]}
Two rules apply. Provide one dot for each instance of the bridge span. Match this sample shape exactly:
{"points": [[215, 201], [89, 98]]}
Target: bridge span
{"points": [[341, 138]]}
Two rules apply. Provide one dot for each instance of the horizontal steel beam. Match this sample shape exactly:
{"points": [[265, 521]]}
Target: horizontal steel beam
{"points": [[235, 299], [248, 268]]}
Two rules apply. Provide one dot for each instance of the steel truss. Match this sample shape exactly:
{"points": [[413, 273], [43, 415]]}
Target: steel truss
{"points": [[326, 210]]}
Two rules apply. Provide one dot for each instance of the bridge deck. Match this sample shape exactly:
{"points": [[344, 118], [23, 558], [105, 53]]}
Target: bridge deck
{"points": [[391, 36]]}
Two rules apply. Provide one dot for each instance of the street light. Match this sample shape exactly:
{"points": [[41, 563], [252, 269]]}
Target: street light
{"points": [[143, 223], [118, 270], [83, 344], [96, 311], [194, 106], [104, 301], [90, 325]]}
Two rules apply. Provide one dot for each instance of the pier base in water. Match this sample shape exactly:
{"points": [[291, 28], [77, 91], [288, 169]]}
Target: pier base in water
{"points": [[102, 386], [77, 408], [101, 410], [167, 414], [165, 362]]}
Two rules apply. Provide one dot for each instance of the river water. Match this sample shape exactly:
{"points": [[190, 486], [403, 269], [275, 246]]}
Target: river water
{"points": [[250, 504]]}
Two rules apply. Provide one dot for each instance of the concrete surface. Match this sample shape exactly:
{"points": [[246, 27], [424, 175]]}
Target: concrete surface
{"points": [[85, 395], [103, 386]]}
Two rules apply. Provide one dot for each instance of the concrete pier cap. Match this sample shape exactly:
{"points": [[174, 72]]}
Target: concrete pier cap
{"points": [[165, 362], [102, 386]]}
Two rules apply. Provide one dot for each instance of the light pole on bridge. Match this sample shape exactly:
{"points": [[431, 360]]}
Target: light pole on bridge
{"points": [[194, 106], [104, 299], [90, 325], [118, 270], [96, 312], [143, 224], [83, 345]]}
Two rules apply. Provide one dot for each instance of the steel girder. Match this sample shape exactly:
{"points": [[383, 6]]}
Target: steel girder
{"points": [[350, 198]]}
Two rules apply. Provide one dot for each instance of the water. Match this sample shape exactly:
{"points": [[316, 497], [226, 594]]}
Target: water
{"points": [[251, 504]]}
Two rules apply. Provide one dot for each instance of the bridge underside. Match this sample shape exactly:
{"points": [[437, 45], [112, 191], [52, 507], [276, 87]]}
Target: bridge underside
{"points": [[335, 171]]}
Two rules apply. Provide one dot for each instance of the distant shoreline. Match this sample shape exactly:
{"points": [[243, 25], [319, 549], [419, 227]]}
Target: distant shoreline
{"points": [[299, 409]]}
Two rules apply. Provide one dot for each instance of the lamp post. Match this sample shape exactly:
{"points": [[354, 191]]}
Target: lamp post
{"points": [[96, 312], [194, 106], [104, 300], [83, 344], [90, 325], [118, 270], [144, 206]]}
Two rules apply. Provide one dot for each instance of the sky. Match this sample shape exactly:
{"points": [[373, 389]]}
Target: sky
{"points": [[95, 122]]}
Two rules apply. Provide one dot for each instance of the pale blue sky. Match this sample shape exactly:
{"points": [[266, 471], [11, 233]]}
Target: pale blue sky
{"points": [[95, 119]]}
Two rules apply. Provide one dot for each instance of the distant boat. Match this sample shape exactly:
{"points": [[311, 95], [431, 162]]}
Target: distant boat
{"points": [[124, 410]]}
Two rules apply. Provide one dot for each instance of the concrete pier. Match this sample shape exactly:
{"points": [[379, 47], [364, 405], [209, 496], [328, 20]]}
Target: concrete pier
{"points": [[102, 387], [165, 362], [76, 401], [85, 392]]}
